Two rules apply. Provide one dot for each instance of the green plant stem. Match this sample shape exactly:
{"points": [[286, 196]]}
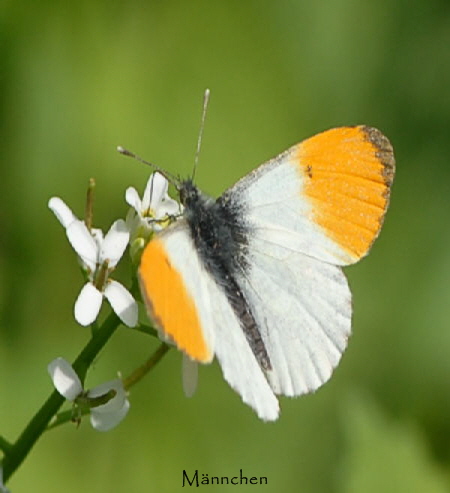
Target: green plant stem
{"points": [[146, 329], [64, 417], [89, 212], [4, 445], [140, 372], [17, 452]]}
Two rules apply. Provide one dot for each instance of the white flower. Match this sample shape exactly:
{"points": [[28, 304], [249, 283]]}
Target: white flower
{"points": [[99, 256], [103, 417], [156, 208]]}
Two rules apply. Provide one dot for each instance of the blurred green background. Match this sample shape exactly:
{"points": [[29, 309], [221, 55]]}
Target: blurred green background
{"points": [[79, 78]]}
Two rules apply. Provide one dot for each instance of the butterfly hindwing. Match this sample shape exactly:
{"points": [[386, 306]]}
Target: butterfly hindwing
{"points": [[303, 310], [192, 310]]}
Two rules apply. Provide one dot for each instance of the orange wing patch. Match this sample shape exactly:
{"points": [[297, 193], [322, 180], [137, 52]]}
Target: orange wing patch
{"points": [[348, 173], [170, 304]]}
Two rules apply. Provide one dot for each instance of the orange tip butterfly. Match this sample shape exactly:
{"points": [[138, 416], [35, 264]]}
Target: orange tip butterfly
{"points": [[254, 277]]}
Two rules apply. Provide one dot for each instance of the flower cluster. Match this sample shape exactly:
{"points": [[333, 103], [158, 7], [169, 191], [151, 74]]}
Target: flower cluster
{"points": [[107, 403], [154, 211], [98, 255]]}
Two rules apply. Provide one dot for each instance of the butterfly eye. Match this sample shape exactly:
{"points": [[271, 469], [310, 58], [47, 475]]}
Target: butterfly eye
{"points": [[188, 193]]}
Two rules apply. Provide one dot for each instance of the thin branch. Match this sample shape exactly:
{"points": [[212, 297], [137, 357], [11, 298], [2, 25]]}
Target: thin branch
{"points": [[89, 211], [5, 446], [146, 329], [140, 372], [64, 417], [67, 416], [38, 424]]}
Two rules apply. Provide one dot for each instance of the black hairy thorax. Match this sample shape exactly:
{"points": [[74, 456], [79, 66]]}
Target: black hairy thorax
{"points": [[217, 229], [220, 235]]}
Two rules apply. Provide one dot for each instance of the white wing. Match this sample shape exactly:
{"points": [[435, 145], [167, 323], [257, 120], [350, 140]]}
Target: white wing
{"points": [[303, 310], [318, 205], [325, 197], [218, 322]]}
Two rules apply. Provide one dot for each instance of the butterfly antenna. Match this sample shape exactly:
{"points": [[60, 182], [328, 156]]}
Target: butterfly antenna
{"points": [[169, 177], [200, 134]]}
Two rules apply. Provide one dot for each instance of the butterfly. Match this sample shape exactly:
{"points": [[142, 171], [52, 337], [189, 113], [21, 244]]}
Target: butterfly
{"points": [[254, 277]]}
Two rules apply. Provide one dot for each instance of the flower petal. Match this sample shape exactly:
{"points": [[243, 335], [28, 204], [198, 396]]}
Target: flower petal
{"points": [[133, 222], [133, 200], [116, 403], [168, 207], [189, 375], [62, 212], [88, 304], [155, 190], [83, 243], [97, 234], [102, 421], [109, 415], [115, 243], [64, 378], [122, 302]]}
